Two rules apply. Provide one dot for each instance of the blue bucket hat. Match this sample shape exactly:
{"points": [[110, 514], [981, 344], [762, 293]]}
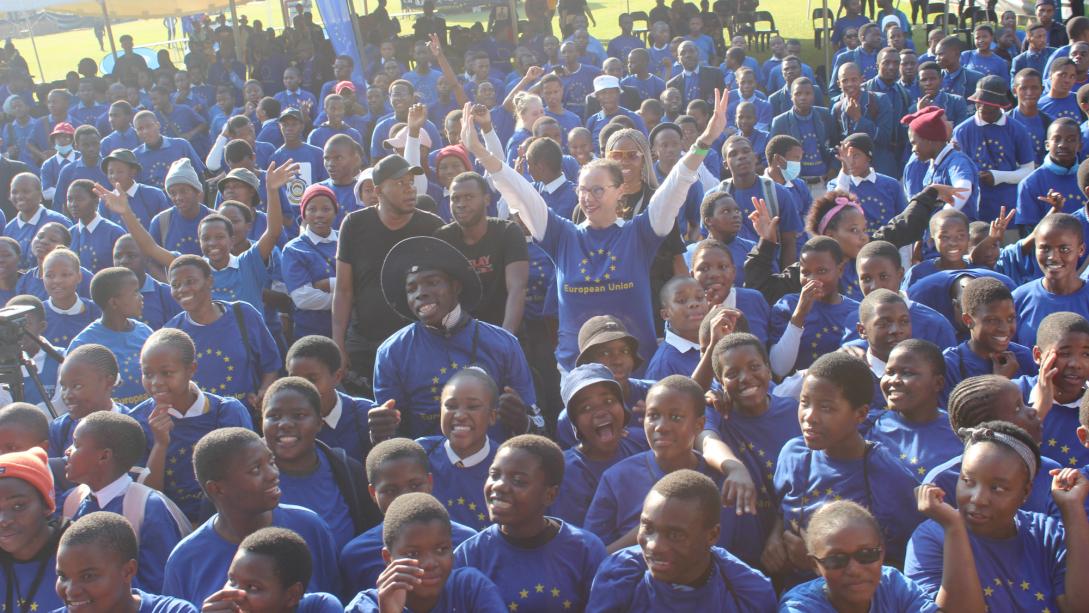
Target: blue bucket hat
{"points": [[583, 377]]}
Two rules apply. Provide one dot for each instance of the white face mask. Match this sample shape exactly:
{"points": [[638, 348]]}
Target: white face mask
{"points": [[792, 170], [63, 149]]}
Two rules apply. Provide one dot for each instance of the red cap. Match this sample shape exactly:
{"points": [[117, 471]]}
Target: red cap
{"points": [[31, 466], [928, 123], [454, 150], [343, 85], [314, 191], [63, 128]]}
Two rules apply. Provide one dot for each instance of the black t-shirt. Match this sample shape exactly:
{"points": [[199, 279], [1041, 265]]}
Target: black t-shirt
{"points": [[364, 242], [503, 243]]}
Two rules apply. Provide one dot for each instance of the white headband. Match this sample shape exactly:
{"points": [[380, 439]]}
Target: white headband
{"points": [[980, 435]]}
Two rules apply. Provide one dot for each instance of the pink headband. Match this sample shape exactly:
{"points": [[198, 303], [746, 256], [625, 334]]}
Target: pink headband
{"points": [[841, 203]]}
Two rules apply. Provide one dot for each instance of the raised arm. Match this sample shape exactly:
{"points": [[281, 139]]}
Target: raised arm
{"points": [[447, 70], [1069, 488], [669, 198], [533, 73], [417, 116], [960, 589], [275, 178], [519, 194], [118, 202]]}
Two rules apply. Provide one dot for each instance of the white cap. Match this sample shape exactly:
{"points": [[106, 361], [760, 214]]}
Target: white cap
{"points": [[605, 81]]}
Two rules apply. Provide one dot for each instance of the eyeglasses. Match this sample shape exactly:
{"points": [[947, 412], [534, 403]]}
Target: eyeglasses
{"points": [[838, 561], [626, 156], [595, 192]]}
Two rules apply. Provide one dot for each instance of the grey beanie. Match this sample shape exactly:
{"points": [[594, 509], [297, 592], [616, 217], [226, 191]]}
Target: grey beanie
{"points": [[181, 172]]}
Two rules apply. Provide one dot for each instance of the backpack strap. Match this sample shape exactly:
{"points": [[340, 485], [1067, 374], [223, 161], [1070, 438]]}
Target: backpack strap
{"points": [[250, 354], [164, 226], [74, 499], [134, 506], [872, 106], [770, 195]]}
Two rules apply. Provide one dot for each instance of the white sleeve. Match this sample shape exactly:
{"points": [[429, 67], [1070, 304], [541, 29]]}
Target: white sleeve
{"points": [[492, 144], [412, 154], [708, 181], [48, 193], [669, 198], [215, 156], [1013, 176], [784, 353], [521, 197], [958, 201], [309, 299]]}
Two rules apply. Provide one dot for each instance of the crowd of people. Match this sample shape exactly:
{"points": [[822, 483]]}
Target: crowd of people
{"points": [[470, 323]]}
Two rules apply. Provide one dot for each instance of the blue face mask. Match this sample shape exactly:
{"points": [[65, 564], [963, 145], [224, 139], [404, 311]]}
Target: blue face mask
{"points": [[63, 149], [792, 170]]}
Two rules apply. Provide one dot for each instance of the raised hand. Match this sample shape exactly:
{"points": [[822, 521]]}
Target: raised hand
{"points": [[723, 324], [161, 424], [226, 599], [999, 225], [483, 117], [1005, 363], [512, 411], [534, 73], [766, 226], [396, 581], [810, 294], [1069, 487], [738, 489], [434, 46], [116, 200], [1043, 393], [1054, 199], [717, 123], [947, 193], [469, 137], [417, 117], [383, 421], [278, 176], [930, 500]]}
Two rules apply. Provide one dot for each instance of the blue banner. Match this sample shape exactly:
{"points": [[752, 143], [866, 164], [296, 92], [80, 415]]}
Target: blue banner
{"points": [[338, 19]]}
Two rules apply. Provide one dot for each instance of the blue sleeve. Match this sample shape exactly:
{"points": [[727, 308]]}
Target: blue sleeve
{"points": [[387, 379], [602, 512], [232, 413], [326, 574], [296, 272], [268, 354], [159, 534], [780, 318], [614, 584], [521, 380], [789, 218], [924, 560], [1028, 208], [198, 162]]}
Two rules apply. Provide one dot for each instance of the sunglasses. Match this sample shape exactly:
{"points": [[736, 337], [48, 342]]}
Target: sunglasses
{"points": [[838, 561], [626, 156]]}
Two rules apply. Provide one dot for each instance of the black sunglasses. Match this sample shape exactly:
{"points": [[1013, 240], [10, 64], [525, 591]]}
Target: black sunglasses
{"points": [[838, 561]]}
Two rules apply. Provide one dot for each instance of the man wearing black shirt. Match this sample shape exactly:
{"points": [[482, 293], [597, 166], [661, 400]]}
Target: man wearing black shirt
{"points": [[361, 317], [495, 247]]}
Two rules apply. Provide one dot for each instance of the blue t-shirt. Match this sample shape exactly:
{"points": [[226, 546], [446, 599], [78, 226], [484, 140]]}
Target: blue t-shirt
{"points": [[461, 489], [95, 247], [946, 475], [952, 166], [618, 502], [1030, 210], [895, 593], [197, 568], [155, 161], [1033, 303], [985, 64], [361, 559], [789, 219], [1060, 439], [180, 484], [318, 492], [305, 263], [321, 134], [669, 360], [1036, 129], [415, 363], [637, 392], [881, 199], [920, 447], [225, 365], [62, 428], [961, 362], [243, 279], [551, 578], [23, 231], [43, 596], [466, 589], [175, 232], [926, 324], [351, 432], [581, 476], [159, 305], [126, 348], [925, 268], [823, 326], [805, 479], [79, 169], [651, 87], [158, 535], [311, 161], [119, 140], [1060, 107], [762, 436], [61, 328], [1024, 573], [995, 147], [623, 583], [31, 282], [146, 202]]}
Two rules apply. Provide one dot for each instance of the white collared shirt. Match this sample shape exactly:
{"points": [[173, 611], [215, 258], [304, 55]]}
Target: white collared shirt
{"points": [[856, 181], [979, 122], [75, 309], [71, 157], [33, 221], [314, 238], [196, 409], [554, 184], [877, 367], [730, 302], [470, 461], [91, 226], [105, 495], [679, 343], [333, 418], [131, 191]]}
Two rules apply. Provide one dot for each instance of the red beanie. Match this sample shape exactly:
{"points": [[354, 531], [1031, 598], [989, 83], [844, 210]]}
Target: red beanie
{"points": [[314, 191], [928, 122], [455, 150], [31, 466]]}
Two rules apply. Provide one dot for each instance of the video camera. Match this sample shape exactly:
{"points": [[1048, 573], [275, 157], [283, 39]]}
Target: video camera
{"points": [[12, 358]]}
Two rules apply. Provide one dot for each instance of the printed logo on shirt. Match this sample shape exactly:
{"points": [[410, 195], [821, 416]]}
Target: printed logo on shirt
{"points": [[482, 265], [596, 272]]}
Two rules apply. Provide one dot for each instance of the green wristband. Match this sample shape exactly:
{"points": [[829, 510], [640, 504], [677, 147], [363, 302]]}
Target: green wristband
{"points": [[703, 152]]}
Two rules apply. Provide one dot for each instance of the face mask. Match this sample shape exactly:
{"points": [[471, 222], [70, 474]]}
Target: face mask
{"points": [[63, 149], [792, 170]]}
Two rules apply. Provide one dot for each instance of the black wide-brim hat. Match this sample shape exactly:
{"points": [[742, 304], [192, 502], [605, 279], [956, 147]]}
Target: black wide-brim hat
{"points": [[420, 253]]}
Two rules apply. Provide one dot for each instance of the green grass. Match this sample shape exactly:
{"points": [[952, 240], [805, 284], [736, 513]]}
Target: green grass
{"points": [[60, 52]]}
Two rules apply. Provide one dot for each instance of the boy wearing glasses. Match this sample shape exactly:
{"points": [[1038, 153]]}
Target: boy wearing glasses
{"points": [[607, 93]]}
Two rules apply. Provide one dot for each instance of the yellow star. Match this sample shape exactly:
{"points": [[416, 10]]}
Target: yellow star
{"points": [[600, 251], [1065, 449], [434, 380], [461, 500], [987, 591], [480, 516], [998, 582], [922, 470], [1073, 461], [567, 604], [472, 506], [914, 460], [539, 587], [524, 593], [828, 491], [555, 592], [33, 606], [1052, 442], [1025, 585], [513, 606], [1039, 596], [442, 371]]}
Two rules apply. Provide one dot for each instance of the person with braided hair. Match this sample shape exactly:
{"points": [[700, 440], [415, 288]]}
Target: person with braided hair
{"points": [[988, 554]]}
